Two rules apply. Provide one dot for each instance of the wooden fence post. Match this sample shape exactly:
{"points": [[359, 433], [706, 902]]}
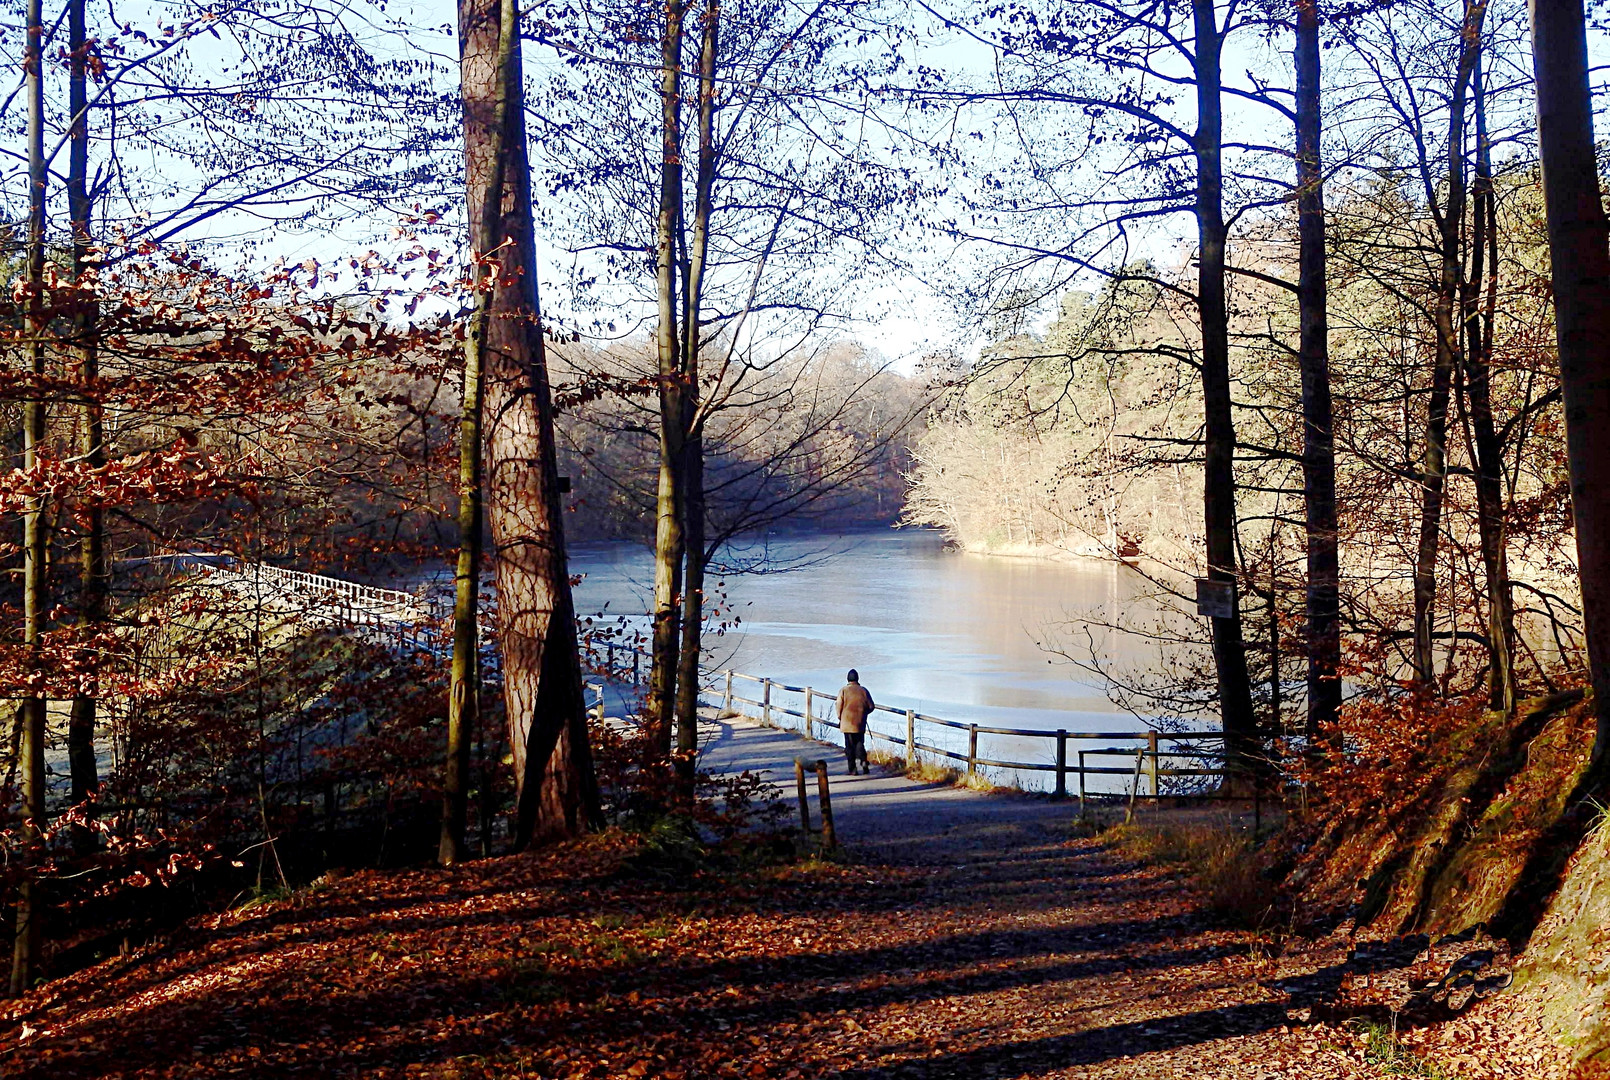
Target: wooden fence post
{"points": [[830, 839], [1082, 780], [1062, 764], [911, 737], [1151, 751], [1134, 786], [765, 702], [637, 663], [810, 726], [726, 702], [804, 802], [972, 749]]}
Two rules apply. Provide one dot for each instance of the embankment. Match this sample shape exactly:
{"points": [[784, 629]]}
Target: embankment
{"points": [[1502, 833]]}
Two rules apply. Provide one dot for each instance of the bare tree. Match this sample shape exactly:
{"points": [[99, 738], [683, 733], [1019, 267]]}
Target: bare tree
{"points": [[556, 791], [778, 202], [1323, 586], [463, 696], [1579, 250], [36, 570]]}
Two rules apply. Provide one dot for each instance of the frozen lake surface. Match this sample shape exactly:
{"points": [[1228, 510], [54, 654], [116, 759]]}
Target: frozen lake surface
{"points": [[962, 637]]}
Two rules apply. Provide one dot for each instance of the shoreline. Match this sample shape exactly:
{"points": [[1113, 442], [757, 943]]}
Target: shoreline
{"points": [[1053, 553]]}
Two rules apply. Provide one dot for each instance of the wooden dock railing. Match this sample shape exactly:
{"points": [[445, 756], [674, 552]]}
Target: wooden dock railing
{"points": [[1172, 765], [1161, 756], [1195, 758]]}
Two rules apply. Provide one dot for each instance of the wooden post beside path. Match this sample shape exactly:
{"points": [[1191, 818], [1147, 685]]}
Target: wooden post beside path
{"points": [[1134, 786], [804, 801], [1151, 752], [911, 738], [972, 749], [830, 840], [1062, 764]]}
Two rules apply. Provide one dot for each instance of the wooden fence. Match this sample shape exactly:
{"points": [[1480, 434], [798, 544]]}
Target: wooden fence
{"points": [[1154, 764], [1173, 765], [1156, 757]]}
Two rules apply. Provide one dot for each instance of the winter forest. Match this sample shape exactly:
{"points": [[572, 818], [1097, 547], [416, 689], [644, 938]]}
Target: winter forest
{"points": [[449, 458]]}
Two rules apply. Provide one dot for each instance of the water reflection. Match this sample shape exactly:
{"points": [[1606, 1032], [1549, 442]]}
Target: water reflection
{"points": [[958, 636]]}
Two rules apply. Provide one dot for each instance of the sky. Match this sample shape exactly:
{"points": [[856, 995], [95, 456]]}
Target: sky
{"points": [[903, 317]]}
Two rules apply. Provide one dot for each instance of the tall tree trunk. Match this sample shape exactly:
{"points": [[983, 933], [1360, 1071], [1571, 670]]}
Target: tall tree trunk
{"points": [[1218, 501], [1580, 261], [94, 571], [556, 790], [464, 687], [1488, 451], [693, 506], [1450, 277], [1319, 437], [668, 539], [36, 583], [687, 686]]}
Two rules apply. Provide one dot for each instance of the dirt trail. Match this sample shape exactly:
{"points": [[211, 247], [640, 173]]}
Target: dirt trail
{"points": [[965, 936], [883, 815]]}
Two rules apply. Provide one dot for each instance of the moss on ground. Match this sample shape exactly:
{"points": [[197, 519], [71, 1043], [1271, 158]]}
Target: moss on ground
{"points": [[1568, 957]]}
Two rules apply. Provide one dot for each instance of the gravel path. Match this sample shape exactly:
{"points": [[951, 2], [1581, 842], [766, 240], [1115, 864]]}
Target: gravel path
{"points": [[963, 936]]}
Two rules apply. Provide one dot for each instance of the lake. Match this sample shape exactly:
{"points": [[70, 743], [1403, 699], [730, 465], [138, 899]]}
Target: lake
{"points": [[962, 637]]}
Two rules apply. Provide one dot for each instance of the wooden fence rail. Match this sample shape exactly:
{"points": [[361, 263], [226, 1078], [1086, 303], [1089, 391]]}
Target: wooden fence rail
{"points": [[1195, 759], [408, 619]]}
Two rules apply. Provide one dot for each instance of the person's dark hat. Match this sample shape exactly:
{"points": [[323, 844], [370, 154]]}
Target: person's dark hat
{"points": [[853, 676]]}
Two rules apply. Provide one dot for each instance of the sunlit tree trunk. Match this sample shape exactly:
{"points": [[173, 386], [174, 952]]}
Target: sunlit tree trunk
{"points": [[1319, 442], [687, 699], [36, 583], [556, 791], [94, 571], [1229, 645], [1450, 277], [1580, 261], [464, 686], [668, 539]]}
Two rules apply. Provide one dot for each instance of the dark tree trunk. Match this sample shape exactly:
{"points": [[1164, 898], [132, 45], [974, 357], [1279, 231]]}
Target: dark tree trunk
{"points": [[556, 791], [1487, 450], [687, 687], [1580, 261], [1319, 441], [36, 582], [693, 506], [94, 571], [668, 540], [1229, 645]]}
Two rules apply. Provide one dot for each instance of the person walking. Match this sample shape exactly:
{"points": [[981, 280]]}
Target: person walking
{"points": [[854, 706]]}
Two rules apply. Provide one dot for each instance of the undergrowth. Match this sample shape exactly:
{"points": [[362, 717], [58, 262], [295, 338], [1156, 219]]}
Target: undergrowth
{"points": [[926, 771], [1383, 1050], [1225, 867]]}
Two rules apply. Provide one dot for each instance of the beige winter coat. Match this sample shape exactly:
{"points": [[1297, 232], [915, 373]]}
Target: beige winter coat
{"points": [[853, 706]]}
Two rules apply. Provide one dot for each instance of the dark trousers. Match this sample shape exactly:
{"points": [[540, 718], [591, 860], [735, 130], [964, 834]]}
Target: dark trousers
{"points": [[855, 747]]}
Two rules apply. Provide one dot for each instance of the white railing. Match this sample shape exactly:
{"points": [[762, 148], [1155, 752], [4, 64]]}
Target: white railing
{"points": [[319, 600]]}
